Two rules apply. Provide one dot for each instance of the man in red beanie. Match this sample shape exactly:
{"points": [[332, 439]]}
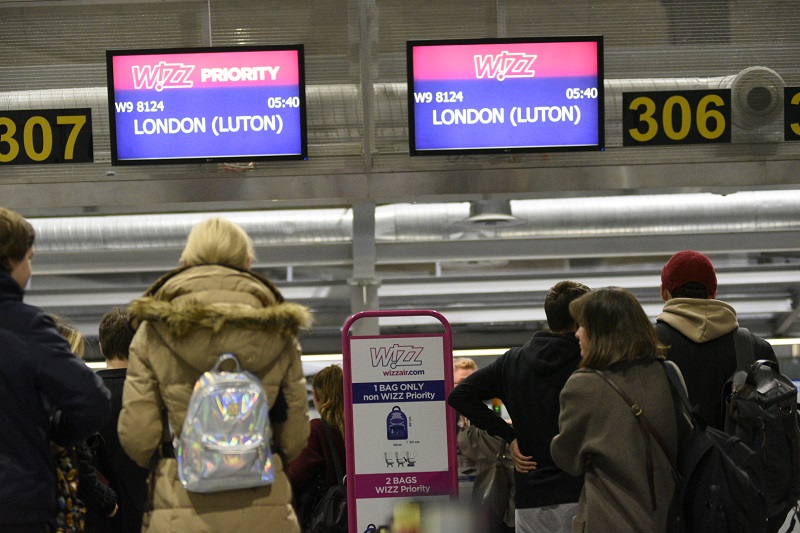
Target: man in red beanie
{"points": [[699, 331]]}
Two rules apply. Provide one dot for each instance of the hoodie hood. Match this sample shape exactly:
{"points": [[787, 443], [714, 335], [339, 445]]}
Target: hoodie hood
{"points": [[203, 311], [699, 320], [548, 352]]}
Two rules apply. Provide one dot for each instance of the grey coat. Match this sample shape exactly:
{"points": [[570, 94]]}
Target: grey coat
{"points": [[599, 437]]}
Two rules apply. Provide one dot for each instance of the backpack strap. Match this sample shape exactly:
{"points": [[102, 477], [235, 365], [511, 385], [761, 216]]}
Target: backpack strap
{"points": [[337, 466], [743, 344], [646, 427], [164, 450]]}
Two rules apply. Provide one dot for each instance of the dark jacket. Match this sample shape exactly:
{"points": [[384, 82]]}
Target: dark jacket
{"points": [[528, 380], [37, 368], [315, 461], [127, 479], [700, 337]]}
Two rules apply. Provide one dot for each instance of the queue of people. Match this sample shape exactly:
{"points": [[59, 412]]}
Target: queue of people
{"points": [[581, 462], [574, 430]]}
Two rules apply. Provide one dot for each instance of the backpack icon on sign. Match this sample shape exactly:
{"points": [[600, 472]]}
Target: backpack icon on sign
{"points": [[396, 425]]}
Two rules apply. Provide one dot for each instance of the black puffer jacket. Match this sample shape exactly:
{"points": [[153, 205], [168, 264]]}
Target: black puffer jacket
{"points": [[528, 380], [37, 368]]}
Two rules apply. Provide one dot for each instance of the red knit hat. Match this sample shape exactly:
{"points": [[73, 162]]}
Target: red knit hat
{"points": [[689, 266]]}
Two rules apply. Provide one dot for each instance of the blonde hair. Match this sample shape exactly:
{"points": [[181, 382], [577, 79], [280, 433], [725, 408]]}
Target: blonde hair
{"points": [[68, 330], [464, 362], [218, 241], [329, 386]]}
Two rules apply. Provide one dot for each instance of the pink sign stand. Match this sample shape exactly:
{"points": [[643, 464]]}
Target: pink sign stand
{"points": [[400, 432]]}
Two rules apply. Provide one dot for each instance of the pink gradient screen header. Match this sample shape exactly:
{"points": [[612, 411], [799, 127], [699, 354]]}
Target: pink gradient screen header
{"points": [[457, 61], [208, 69]]}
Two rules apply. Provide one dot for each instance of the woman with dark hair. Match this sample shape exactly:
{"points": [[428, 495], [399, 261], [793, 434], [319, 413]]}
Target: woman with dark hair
{"points": [[313, 471], [629, 482]]}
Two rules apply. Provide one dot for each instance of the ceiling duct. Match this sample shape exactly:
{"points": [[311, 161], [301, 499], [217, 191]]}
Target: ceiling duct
{"points": [[545, 218]]}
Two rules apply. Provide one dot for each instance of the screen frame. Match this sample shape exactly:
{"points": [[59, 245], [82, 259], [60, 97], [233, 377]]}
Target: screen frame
{"points": [[303, 126], [412, 144]]}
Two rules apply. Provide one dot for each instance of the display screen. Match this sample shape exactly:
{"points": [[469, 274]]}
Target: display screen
{"points": [[505, 95], [207, 104]]}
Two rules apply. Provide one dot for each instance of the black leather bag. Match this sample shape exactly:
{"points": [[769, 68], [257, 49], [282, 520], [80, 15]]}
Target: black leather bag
{"points": [[492, 487], [330, 512]]}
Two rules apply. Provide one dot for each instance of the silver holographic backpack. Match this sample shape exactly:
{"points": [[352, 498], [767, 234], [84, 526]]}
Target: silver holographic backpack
{"points": [[224, 443]]}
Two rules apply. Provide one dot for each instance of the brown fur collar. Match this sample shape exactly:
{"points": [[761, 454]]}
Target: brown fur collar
{"points": [[286, 319]]}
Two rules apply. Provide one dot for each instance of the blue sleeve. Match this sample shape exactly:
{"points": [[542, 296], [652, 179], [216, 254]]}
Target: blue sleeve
{"points": [[77, 399]]}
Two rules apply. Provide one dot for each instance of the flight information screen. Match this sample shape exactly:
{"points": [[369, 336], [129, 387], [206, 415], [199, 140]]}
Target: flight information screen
{"points": [[207, 104], [505, 95]]}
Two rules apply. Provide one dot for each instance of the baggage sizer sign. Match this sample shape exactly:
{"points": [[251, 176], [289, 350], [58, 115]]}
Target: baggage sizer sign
{"points": [[400, 430]]}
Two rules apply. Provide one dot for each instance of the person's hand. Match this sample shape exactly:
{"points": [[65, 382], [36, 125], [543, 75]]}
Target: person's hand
{"points": [[522, 463]]}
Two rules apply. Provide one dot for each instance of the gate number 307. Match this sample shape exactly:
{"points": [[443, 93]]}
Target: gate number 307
{"points": [[36, 139]]}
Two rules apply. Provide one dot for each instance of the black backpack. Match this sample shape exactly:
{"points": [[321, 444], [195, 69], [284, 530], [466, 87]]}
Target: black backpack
{"points": [[720, 487], [761, 409]]}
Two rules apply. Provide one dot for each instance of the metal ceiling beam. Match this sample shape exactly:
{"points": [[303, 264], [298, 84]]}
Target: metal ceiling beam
{"points": [[592, 246]]}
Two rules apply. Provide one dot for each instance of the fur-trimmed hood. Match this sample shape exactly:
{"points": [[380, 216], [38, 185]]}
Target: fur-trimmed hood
{"points": [[284, 319], [202, 311], [184, 323]]}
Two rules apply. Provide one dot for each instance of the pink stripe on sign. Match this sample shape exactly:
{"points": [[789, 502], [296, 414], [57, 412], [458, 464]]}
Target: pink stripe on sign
{"points": [[206, 70], [403, 484], [458, 62]]}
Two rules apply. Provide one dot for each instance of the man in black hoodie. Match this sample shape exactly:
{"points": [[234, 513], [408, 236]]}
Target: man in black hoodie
{"points": [[528, 380]]}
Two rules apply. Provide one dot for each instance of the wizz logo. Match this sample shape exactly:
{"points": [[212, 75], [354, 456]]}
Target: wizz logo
{"points": [[162, 76], [396, 355], [505, 65]]}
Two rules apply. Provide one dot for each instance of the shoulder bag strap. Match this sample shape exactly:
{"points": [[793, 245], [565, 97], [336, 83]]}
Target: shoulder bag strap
{"points": [[646, 427], [337, 466]]}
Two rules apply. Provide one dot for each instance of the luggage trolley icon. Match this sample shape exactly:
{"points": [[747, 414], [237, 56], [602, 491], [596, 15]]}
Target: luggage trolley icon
{"points": [[396, 425]]}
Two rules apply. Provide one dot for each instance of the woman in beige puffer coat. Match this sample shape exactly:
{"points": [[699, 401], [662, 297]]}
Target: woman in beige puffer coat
{"points": [[212, 305]]}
